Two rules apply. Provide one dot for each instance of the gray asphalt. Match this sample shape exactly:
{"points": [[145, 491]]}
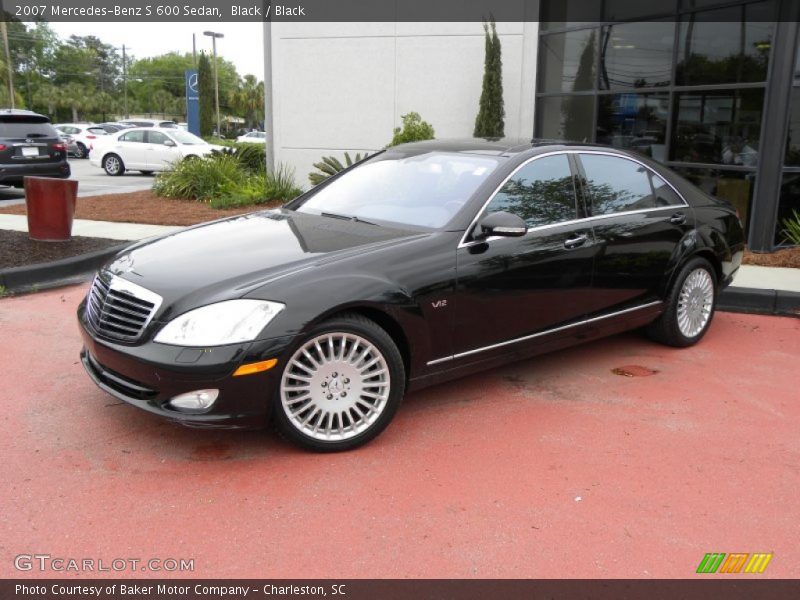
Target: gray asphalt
{"points": [[92, 181]]}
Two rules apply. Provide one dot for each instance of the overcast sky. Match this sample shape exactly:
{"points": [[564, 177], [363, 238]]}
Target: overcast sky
{"points": [[242, 44]]}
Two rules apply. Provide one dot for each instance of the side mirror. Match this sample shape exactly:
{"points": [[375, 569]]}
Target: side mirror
{"points": [[169, 143], [503, 224]]}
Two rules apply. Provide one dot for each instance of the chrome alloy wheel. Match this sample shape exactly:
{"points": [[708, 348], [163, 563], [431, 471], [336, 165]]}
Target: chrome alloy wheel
{"points": [[112, 165], [335, 386], [695, 302]]}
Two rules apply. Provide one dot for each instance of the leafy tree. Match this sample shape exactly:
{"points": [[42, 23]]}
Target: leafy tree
{"points": [[575, 119], [205, 81], [489, 122], [414, 130]]}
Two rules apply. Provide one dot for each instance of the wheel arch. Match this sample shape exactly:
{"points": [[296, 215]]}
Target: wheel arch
{"points": [[382, 318]]}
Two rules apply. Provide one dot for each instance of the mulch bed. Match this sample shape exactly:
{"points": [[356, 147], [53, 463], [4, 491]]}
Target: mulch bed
{"points": [[788, 257], [146, 207], [17, 249]]}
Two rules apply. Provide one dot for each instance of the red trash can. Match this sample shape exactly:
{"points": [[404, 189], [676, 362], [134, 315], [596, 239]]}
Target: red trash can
{"points": [[51, 207]]}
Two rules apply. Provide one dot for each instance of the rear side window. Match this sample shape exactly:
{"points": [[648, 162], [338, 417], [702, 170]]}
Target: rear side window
{"points": [[616, 185], [541, 192], [26, 129], [132, 136]]}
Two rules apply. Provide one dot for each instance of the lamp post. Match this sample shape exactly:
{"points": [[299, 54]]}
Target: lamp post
{"points": [[214, 35]]}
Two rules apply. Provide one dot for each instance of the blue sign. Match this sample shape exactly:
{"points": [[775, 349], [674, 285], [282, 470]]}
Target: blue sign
{"points": [[192, 101]]}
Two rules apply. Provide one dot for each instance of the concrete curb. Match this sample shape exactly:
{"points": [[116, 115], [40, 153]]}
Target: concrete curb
{"points": [[757, 301], [53, 274]]}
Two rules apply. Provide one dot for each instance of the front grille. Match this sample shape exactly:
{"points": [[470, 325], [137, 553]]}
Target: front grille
{"points": [[118, 309]]}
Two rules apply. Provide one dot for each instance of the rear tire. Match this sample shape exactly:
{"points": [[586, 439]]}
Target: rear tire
{"points": [[82, 151], [341, 385], [113, 165], [689, 306]]}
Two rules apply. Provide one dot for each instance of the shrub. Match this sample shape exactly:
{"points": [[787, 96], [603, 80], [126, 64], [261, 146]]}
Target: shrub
{"points": [[489, 122], [791, 229], [251, 157], [330, 165], [200, 178], [414, 130]]}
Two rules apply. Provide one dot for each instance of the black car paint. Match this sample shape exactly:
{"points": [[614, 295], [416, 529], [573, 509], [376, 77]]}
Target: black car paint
{"points": [[51, 160], [453, 304]]}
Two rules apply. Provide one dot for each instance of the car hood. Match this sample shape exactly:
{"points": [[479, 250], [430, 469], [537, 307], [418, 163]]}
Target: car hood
{"points": [[229, 258]]}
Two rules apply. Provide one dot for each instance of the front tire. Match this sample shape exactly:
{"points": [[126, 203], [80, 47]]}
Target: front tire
{"points": [[689, 307], [113, 165], [341, 386]]}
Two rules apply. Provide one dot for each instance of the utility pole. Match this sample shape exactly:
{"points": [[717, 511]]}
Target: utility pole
{"points": [[4, 30], [214, 35], [194, 51], [125, 82]]}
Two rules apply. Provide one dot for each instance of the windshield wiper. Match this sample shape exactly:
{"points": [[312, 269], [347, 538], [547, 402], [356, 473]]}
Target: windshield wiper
{"points": [[347, 218]]}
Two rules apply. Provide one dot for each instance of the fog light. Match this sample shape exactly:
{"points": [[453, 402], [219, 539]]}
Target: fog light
{"points": [[199, 400]]}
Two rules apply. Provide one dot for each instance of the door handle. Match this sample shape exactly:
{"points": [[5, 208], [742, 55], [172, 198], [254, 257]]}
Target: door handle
{"points": [[575, 241], [678, 218]]}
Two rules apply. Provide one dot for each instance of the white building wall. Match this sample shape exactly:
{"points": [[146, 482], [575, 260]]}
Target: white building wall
{"points": [[343, 86]]}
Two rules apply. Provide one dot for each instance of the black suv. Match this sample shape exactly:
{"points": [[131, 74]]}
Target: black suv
{"points": [[29, 145]]}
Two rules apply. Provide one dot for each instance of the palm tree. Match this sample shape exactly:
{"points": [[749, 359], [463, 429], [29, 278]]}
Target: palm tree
{"points": [[248, 100], [76, 97], [163, 102]]}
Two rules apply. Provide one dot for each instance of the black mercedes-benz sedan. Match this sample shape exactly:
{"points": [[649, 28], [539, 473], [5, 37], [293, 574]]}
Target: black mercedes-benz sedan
{"points": [[420, 264]]}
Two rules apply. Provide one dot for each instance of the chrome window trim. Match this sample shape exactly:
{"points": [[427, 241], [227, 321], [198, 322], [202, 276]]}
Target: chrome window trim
{"points": [[466, 244], [541, 333]]}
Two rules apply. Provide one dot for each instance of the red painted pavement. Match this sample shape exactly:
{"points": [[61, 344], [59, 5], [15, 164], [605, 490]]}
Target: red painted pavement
{"points": [[554, 467]]}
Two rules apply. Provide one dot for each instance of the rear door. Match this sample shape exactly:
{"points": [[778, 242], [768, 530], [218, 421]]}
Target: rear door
{"points": [[514, 287], [29, 139], [132, 148], [638, 221]]}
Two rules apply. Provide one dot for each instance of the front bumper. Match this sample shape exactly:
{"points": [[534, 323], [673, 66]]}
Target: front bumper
{"points": [[149, 375]]}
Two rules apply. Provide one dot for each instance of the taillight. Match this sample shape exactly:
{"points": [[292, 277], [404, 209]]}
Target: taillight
{"points": [[59, 146], [91, 137], [3, 147]]}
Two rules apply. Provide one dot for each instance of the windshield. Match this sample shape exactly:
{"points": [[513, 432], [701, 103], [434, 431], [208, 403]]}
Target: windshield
{"points": [[184, 137], [425, 190]]}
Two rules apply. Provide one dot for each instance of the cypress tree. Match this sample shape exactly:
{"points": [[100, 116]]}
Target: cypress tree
{"points": [[489, 121], [205, 81]]}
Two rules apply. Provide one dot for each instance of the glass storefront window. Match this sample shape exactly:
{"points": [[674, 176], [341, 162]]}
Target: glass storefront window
{"points": [[635, 122], [556, 14], [627, 10], [789, 202], [728, 45], [566, 118], [793, 140], [735, 187], [568, 61], [636, 55], [721, 126]]}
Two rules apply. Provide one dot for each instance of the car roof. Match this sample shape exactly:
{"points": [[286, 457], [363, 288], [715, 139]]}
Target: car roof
{"points": [[505, 147]]}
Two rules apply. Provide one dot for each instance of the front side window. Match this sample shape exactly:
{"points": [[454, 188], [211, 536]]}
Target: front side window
{"points": [[542, 192], [424, 190], [156, 137], [132, 136], [617, 185]]}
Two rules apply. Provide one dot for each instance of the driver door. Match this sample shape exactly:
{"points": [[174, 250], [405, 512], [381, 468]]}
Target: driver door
{"points": [[512, 287]]}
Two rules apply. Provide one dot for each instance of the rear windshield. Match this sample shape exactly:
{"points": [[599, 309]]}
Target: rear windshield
{"points": [[26, 129]]}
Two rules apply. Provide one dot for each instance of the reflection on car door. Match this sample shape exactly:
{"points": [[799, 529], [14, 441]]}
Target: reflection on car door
{"points": [[131, 147], [158, 155], [638, 222], [513, 287]]}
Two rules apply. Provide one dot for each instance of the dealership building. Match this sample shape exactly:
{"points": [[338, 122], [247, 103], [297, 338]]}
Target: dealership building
{"points": [[709, 87]]}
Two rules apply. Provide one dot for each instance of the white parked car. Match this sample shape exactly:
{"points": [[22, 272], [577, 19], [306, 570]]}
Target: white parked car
{"points": [[84, 136], [253, 137], [147, 150]]}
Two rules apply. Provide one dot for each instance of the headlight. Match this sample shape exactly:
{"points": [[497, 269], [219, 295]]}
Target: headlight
{"points": [[218, 324]]}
